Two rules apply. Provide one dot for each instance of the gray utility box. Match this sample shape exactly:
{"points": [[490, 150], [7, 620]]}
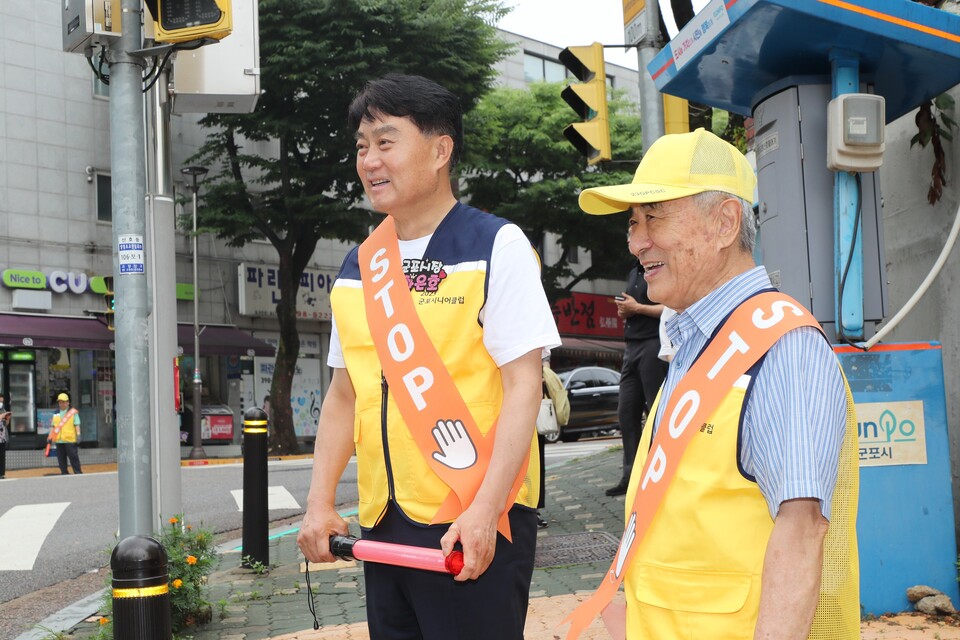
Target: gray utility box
{"points": [[222, 77], [90, 23], [796, 232]]}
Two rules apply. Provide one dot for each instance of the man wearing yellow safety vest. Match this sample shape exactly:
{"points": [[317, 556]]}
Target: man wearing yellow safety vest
{"points": [[741, 510], [439, 324], [65, 434]]}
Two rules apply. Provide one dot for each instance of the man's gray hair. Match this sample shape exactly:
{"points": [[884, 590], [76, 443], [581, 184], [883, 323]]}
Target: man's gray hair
{"points": [[748, 224]]}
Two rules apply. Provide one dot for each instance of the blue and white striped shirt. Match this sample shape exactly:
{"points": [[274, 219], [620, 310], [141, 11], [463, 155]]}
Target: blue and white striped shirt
{"points": [[795, 417]]}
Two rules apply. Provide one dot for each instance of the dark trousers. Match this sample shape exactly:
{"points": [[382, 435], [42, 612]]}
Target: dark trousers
{"points": [[68, 450], [3, 459], [641, 376], [412, 604]]}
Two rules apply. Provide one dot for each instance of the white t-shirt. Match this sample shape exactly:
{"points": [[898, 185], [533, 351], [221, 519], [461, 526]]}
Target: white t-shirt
{"points": [[516, 317]]}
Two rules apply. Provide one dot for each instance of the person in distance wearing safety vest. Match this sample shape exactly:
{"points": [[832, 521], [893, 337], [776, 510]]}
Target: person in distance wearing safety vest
{"points": [[439, 324], [751, 534], [65, 434]]}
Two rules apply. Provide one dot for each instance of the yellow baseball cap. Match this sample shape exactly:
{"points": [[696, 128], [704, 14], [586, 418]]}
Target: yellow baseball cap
{"points": [[63, 397], [676, 166]]}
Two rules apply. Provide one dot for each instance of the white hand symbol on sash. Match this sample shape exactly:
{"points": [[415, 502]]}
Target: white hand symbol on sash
{"points": [[456, 448], [629, 535]]}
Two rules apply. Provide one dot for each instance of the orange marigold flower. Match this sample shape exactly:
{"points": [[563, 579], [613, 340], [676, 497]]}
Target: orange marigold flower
{"points": [[174, 520], [104, 621], [189, 528], [191, 560]]}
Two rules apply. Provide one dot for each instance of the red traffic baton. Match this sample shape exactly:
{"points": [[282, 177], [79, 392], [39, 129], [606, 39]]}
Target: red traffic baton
{"points": [[401, 555]]}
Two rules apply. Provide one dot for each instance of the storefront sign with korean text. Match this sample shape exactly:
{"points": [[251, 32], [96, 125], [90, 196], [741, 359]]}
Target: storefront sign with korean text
{"points": [[260, 292]]}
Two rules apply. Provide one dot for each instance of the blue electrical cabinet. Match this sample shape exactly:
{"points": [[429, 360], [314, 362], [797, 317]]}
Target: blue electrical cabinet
{"points": [[905, 523]]}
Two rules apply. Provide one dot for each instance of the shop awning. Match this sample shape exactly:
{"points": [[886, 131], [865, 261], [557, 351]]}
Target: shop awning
{"points": [[26, 330], [222, 340]]}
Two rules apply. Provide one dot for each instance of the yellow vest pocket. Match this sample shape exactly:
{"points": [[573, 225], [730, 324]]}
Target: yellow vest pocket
{"points": [[693, 591]]}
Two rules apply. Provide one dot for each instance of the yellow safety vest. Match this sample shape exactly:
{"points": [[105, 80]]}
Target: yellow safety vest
{"points": [[448, 292], [697, 573]]}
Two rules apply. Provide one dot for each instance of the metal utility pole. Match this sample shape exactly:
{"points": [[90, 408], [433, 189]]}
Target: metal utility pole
{"points": [[196, 452], [129, 227], [651, 101], [163, 304]]}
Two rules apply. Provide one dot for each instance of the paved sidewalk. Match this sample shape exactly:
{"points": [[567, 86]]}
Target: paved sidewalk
{"points": [[251, 606], [573, 554]]}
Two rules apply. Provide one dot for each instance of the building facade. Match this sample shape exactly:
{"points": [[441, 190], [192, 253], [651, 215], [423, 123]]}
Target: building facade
{"points": [[56, 249]]}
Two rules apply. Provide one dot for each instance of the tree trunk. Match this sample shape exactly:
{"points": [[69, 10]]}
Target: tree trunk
{"points": [[283, 437]]}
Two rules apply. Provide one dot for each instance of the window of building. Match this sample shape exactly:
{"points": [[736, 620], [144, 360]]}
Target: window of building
{"points": [[104, 198], [539, 69], [572, 254]]}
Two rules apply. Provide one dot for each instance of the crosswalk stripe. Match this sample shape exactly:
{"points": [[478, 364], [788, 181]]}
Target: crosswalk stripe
{"points": [[23, 530], [277, 498]]}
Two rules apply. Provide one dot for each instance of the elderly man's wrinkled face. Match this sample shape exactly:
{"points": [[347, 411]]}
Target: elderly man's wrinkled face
{"points": [[677, 243]]}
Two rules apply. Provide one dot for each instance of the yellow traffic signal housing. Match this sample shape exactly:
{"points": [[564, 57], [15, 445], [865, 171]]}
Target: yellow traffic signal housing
{"points": [[676, 115], [589, 99], [184, 20], [109, 301]]}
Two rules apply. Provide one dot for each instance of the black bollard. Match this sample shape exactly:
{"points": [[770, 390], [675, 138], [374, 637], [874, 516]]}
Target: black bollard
{"points": [[255, 505], [141, 592]]}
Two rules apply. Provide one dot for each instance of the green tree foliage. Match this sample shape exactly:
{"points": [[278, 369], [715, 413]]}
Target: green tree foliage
{"points": [[287, 171], [518, 165]]}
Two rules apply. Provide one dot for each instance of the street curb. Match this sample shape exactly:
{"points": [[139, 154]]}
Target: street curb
{"points": [[73, 614], [66, 618]]}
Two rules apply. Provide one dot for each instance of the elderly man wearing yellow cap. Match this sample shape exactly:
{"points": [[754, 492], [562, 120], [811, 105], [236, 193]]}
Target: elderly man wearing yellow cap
{"points": [[65, 433], [751, 533]]}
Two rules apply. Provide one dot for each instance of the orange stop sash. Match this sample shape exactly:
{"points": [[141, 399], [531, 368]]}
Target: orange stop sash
{"points": [[425, 393], [746, 335]]}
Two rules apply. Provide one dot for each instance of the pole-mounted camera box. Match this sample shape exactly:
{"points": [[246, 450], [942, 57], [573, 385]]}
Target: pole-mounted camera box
{"points": [[855, 125], [88, 23], [223, 77]]}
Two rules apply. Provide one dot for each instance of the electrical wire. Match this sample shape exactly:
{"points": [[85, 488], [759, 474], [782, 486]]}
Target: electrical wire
{"points": [[159, 70], [98, 70], [922, 289], [105, 79], [846, 268], [154, 69], [155, 72], [311, 605]]}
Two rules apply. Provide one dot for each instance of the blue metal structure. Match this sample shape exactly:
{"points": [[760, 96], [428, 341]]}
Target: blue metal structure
{"points": [[905, 524], [737, 54], [907, 51], [848, 240]]}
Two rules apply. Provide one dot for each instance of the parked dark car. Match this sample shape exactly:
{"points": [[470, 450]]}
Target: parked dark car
{"points": [[594, 393]]}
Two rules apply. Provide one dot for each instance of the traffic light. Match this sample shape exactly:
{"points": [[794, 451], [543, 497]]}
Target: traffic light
{"points": [[676, 115], [589, 99], [184, 20], [109, 301]]}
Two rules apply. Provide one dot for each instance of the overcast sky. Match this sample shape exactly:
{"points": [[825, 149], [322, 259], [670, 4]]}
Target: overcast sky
{"points": [[575, 22]]}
